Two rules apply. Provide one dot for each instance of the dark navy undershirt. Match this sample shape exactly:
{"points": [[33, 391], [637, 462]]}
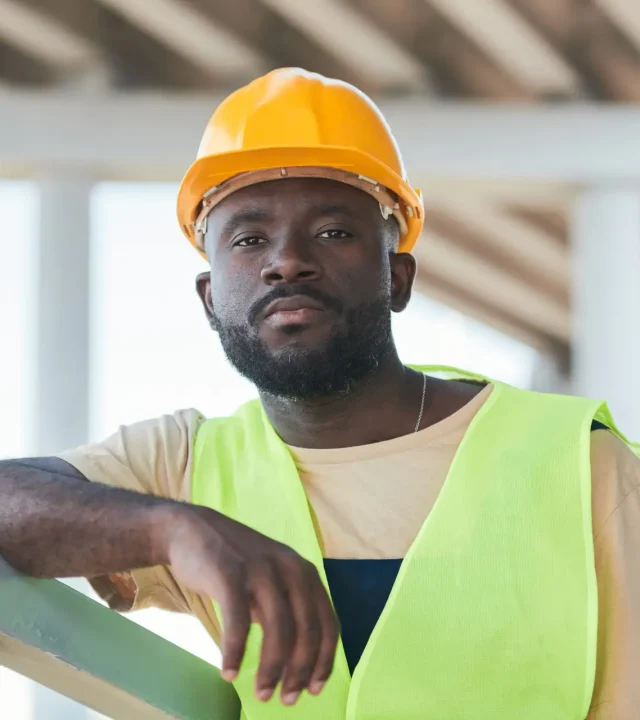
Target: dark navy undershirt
{"points": [[360, 589]]}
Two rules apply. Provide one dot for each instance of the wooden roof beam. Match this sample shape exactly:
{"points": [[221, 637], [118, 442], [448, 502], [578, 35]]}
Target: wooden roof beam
{"points": [[16, 69], [435, 287], [626, 15], [129, 57], [513, 43], [601, 49], [193, 36], [355, 41], [517, 241], [528, 306], [550, 196], [457, 66], [280, 41], [44, 38]]}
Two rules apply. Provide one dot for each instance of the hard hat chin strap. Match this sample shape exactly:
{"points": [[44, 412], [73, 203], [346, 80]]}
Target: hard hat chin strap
{"points": [[389, 204]]}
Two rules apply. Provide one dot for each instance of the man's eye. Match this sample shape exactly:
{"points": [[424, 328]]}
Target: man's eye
{"points": [[334, 234], [249, 241]]}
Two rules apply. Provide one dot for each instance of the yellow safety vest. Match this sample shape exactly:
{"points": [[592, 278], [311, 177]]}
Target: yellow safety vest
{"points": [[493, 615]]}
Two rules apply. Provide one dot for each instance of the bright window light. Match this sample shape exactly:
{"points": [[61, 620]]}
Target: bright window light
{"points": [[18, 224]]}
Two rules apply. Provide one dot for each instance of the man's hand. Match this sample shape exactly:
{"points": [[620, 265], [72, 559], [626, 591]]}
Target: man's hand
{"points": [[53, 523], [256, 579]]}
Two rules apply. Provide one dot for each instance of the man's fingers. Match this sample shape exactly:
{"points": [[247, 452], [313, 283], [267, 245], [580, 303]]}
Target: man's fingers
{"points": [[308, 630], [275, 616], [328, 640], [235, 607], [300, 628]]}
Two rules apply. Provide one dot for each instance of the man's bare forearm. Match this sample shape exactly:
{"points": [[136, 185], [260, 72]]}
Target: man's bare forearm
{"points": [[53, 523]]}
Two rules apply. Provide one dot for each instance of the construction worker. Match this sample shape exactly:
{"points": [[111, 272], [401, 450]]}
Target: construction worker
{"points": [[479, 544]]}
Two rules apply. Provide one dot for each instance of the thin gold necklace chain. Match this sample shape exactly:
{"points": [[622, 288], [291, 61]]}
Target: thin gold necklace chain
{"points": [[424, 394]]}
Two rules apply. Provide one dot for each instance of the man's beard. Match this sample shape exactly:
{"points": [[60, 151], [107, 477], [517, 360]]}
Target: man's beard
{"points": [[351, 353]]}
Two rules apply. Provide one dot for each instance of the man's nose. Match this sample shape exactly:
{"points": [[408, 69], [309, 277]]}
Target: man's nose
{"points": [[290, 261]]}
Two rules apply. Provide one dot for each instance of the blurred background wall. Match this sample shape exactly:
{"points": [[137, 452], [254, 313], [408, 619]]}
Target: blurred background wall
{"points": [[517, 118]]}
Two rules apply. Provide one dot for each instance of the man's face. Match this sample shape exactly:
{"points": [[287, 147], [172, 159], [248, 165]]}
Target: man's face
{"points": [[302, 284]]}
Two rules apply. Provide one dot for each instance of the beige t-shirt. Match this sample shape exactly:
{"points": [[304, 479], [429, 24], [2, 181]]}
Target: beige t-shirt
{"points": [[359, 514]]}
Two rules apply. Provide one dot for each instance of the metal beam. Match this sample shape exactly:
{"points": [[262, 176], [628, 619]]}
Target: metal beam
{"points": [[87, 652], [507, 37], [355, 41], [192, 35], [42, 37], [147, 132]]}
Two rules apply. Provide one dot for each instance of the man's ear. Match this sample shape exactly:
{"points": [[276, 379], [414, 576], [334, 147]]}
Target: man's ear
{"points": [[403, 273], [203, 288]]}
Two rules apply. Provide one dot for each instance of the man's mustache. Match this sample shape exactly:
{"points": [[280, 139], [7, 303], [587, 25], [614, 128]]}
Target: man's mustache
{"points": [[286, 291]]}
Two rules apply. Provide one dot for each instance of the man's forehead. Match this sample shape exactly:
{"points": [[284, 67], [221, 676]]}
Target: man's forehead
{"points": [[301, 193], [252, 211]]}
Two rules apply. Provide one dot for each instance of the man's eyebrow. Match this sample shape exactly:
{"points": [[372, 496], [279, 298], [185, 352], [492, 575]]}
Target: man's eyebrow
{"points": [[249, 215], [242, 217]]}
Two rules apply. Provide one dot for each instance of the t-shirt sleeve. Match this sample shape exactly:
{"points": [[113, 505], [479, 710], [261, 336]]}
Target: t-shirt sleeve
{"points": [[615, 474], [152, 457]]}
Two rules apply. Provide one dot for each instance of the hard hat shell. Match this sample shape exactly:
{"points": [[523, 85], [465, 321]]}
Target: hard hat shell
{"points": [[294, 118]]}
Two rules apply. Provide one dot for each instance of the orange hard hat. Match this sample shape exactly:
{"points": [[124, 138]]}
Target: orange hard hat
{"points": [[293, 123]]}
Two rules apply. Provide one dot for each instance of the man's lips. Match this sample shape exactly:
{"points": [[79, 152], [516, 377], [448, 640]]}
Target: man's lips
{"points": [[296, 310]]}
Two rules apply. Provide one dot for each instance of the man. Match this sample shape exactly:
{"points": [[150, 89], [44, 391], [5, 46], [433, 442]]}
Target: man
{"points": [[480, 543]]}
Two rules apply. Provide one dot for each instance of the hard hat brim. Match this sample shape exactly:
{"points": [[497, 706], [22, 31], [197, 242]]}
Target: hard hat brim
{"points": [[211, 170]]}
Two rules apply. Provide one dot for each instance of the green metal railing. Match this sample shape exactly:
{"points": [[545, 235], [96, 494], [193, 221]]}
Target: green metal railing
{"points": [[72, 644]]}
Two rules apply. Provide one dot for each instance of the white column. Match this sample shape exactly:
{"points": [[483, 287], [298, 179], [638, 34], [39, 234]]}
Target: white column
{"points": [[606, 245], [550, 375], [61, 283], [61, 345]]}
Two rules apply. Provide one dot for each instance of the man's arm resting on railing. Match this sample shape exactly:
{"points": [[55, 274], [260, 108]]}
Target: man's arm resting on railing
{"points": [[53, 523]]}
